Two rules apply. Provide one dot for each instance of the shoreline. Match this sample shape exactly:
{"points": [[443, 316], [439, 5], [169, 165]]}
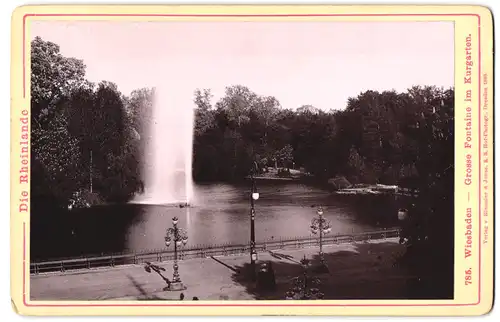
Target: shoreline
{"points": [[274, 178]]}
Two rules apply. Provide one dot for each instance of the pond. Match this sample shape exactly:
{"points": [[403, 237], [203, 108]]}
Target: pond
{"points": [[220, 214]]}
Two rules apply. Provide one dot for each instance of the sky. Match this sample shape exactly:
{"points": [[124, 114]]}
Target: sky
{"points": [[300, 63]]}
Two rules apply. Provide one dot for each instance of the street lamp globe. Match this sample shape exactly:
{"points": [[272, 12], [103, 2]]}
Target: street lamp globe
{"points": [[255, 196], [184, 240], [175, 220], [320, 211], [402, 214]]}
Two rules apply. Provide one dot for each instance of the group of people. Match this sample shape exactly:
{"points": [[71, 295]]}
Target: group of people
{"points": [[195, 298]]}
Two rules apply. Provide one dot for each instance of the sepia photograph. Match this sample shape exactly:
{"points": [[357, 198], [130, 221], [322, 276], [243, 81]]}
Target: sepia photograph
{"points": [[242, 160]]}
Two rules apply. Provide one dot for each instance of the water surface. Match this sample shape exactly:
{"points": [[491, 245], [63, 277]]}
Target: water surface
{"points": [[220, 214]]}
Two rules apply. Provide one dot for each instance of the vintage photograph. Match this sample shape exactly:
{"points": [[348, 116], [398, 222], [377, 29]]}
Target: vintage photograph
{"points": [[233, 160]]}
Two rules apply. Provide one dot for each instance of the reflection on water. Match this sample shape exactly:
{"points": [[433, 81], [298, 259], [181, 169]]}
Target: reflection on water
{"points": [[284, 210], [220, 214]]}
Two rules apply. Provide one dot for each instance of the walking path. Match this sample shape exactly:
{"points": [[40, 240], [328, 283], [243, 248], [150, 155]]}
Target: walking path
{"points": [[360, 270]]}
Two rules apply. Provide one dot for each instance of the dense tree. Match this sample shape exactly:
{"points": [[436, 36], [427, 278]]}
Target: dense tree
{"points": [[93, 138], [139, 107], [82, 137], [378, 138], [204, 116], [83, 133], [53, 76], [56, 160], [89, 142], [55, 152]]}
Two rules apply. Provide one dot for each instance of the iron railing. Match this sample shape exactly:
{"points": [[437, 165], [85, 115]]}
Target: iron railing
{"points": [[202, 251]]}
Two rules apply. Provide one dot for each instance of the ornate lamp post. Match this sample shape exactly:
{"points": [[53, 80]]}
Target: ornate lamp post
{"points": [[302, 289], [179, 237], [321, 226], [254, 196]]}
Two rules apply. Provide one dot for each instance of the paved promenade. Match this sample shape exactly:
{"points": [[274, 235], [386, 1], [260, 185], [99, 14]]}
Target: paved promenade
{"points": [[360, 270]]}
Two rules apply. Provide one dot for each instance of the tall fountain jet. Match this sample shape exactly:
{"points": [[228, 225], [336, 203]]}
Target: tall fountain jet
{"points": [[168, 151]]}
